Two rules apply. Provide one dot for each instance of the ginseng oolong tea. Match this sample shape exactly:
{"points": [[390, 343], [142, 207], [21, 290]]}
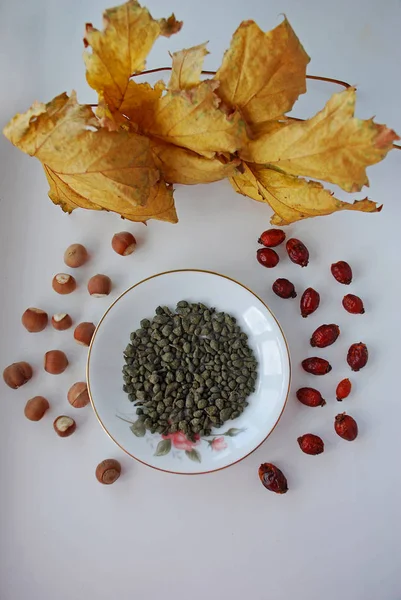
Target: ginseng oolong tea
{"points": [[188, 370]]}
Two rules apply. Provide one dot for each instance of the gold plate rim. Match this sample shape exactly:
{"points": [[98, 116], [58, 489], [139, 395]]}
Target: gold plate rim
{"points": [[153, 277]]}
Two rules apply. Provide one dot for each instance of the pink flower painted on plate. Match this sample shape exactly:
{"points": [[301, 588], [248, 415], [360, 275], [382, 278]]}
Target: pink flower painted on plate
{"points": [[218, 444], [180, 441]]}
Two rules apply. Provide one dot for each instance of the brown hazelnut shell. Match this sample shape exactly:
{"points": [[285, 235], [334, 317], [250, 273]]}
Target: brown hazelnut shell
{"points": [[78, 395], [35, 408], [108, 471], [75, 256], [99, 285], [61, 321], [55, 362], [17, 374], [123, 243], [63, 283], [83, 333], [64, 426], [34, 320]]}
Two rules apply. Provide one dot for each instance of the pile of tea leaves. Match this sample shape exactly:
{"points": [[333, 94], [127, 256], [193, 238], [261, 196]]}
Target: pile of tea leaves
{"points": [[189, 370]]}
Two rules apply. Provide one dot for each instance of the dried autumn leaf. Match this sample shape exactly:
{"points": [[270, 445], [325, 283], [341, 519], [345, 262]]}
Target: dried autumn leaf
{"points": [[179, 165], [122, 47], [292, 198], [62, 194], [176, 164], [86, 165], [112, 120], [194, 119], [187, 67], [333, 145], [140, 102], [160, 206], [263, 73]]}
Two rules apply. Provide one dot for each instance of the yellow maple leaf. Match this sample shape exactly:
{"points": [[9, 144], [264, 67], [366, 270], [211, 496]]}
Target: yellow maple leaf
{"points": [[176, 164], [141, 101], [179, 165], [292, 198], [194, 119], [263, 74], [86, 165], [160, 206], [333, 145], [122, 47], [64, 195], [187, 67], [110, 119]]}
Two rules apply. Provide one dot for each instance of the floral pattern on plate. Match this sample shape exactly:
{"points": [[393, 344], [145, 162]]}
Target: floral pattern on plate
{"points": [[179, 441]]}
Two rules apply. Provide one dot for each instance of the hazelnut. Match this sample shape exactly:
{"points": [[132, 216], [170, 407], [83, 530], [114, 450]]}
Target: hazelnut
{"points": [[78, 395], [123, 243], [35, 408], [34, 320], [61, 321], [17, 374], [64, 426], [108, 471], [75, 256], [83, 333], [99, 286], [55, 362], [63, 283]]}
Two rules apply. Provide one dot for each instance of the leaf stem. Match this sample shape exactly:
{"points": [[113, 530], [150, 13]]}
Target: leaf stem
{"points": [[317, 77], [314, 77], [126, 420]]}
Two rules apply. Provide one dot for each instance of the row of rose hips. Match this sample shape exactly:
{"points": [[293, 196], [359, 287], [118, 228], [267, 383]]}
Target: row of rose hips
{"points": [[325, 335]]}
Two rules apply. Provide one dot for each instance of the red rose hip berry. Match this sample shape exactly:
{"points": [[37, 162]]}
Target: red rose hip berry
{"points": [[346, 427], [325, 335], [353, 304], [272, 238], [342, 272], [272, 478], [357, 356], [284, 288], [316, 366], [267, 257], [343, 389], [310, 301], [298, 252], [311, 444], [310, 397]]}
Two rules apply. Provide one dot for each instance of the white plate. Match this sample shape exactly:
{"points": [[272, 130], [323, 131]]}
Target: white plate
{"points": [[237, 438]]}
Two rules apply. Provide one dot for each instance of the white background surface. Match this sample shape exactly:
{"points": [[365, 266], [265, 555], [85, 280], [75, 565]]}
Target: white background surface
{"points": [[336, 533]]}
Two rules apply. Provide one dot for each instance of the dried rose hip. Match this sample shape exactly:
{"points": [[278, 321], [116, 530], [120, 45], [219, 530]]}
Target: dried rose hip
{"points": [[310, 397], [284, 288], [353, 304], [343, 389], [298, 252], [272, 237], [316, 366], [310, 301], [357, 356], [346, 427], [342, 272], [311, 444], [325, 335], [267, 257], [272, 478]]}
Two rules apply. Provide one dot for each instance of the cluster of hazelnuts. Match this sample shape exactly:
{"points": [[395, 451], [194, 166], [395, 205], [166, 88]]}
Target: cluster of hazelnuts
{"points": [[55, 361]]}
